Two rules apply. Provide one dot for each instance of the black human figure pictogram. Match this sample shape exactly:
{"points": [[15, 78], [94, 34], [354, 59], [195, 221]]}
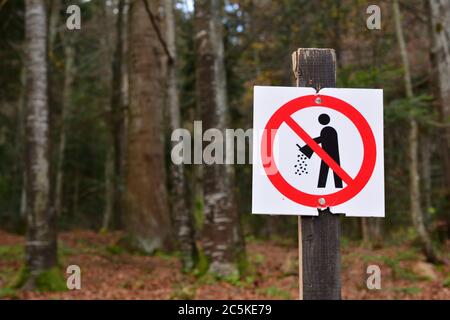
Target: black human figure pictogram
{"points": [[329, 141]]}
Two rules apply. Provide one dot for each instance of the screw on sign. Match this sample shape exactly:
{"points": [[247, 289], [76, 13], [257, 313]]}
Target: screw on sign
{"points": [[328, 152]]}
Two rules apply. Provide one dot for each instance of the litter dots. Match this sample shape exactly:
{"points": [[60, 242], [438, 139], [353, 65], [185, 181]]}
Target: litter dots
{"points": [[301, 165]]}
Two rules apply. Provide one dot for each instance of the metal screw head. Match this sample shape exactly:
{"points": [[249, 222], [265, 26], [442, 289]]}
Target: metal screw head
{"points": [[321, 201], [318, 100]]}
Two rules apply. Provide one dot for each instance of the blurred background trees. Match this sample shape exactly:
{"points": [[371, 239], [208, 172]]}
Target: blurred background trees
{"points": [[137, 69]]}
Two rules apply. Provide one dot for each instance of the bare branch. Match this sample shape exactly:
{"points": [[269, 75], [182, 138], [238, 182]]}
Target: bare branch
{"points": [[158, 32]]}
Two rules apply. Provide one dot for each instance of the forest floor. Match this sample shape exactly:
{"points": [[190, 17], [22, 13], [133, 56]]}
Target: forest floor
{"points": [[109, 272]]}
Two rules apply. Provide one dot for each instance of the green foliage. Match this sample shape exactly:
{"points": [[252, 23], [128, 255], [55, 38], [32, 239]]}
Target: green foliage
{"points": [[257, 258], [446, 282], [183, 292], [233, 279], [115, 249], [51, 280], [406, 274], [418, 107], [411, 254], [11, 252], [8, 293], [275, 292], [395, 263], [198, 213], [167, 255], [202, 264], [64, 250], [345, 242], [409, 290], [242, 263], [208, 279], [351, 78]]}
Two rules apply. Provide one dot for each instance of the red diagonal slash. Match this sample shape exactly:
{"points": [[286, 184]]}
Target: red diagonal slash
{"points": [[318, 150]]}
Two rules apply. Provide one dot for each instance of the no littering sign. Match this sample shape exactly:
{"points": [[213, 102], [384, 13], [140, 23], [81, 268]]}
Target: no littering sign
{"points": [[317, 150]]}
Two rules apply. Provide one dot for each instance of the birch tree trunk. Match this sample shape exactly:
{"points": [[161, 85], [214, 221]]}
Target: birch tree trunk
{"points": [[413, 137], [147, 220], [180, 209], [440, 49], [41, 229], [221, 231]]}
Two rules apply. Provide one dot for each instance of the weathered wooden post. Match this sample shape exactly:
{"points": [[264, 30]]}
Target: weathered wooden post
{"points": [[319, 252]]}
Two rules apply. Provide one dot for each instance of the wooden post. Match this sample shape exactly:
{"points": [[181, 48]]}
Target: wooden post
{"points": [[319, 253]]}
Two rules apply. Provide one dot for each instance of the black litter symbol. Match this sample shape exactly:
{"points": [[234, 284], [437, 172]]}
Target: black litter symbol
{"points": [[302, 164], [329, 141]]}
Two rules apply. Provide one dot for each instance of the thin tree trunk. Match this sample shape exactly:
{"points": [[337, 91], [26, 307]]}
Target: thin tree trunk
{"points": [[413, 137], [117, 129], [119, 223], [107, 68], [76, 193], [180, 208], [20, 140], [55, 7], [222, 239], [147, 220], [365, 232], [69, 56], [109, 191], [41, 233], [377, 233], [440, 52], [337, 39], [425, 157]]}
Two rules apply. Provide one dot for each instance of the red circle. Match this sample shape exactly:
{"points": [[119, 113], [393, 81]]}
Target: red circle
{"points": [[304, 198]]}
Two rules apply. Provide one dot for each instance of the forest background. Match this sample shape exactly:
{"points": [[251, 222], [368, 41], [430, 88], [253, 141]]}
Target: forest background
{"points": [[86, 117]]}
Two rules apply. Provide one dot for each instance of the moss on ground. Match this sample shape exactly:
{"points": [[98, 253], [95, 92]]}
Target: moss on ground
{"points": [[51, 280], [8, 293], [409, 290], [275, 292], [11, 252], [446, 282]]}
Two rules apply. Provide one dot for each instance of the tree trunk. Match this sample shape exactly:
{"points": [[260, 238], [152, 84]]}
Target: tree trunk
{"points": [[20, 140], [41, 232], [109, 191], [221, 232], [147, 220], [69, 56], [365, 232], [76, 193], [413, 137], [55, 7], [180, 209], [440, 52], [426, 152], [117, 130]]}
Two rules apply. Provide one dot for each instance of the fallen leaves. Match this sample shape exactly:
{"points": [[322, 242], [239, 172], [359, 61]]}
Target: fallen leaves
{"points": [[108, 272]]}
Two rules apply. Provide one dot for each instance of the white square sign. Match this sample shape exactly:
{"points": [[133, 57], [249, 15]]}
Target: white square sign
{"points": [[317, 150]]}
